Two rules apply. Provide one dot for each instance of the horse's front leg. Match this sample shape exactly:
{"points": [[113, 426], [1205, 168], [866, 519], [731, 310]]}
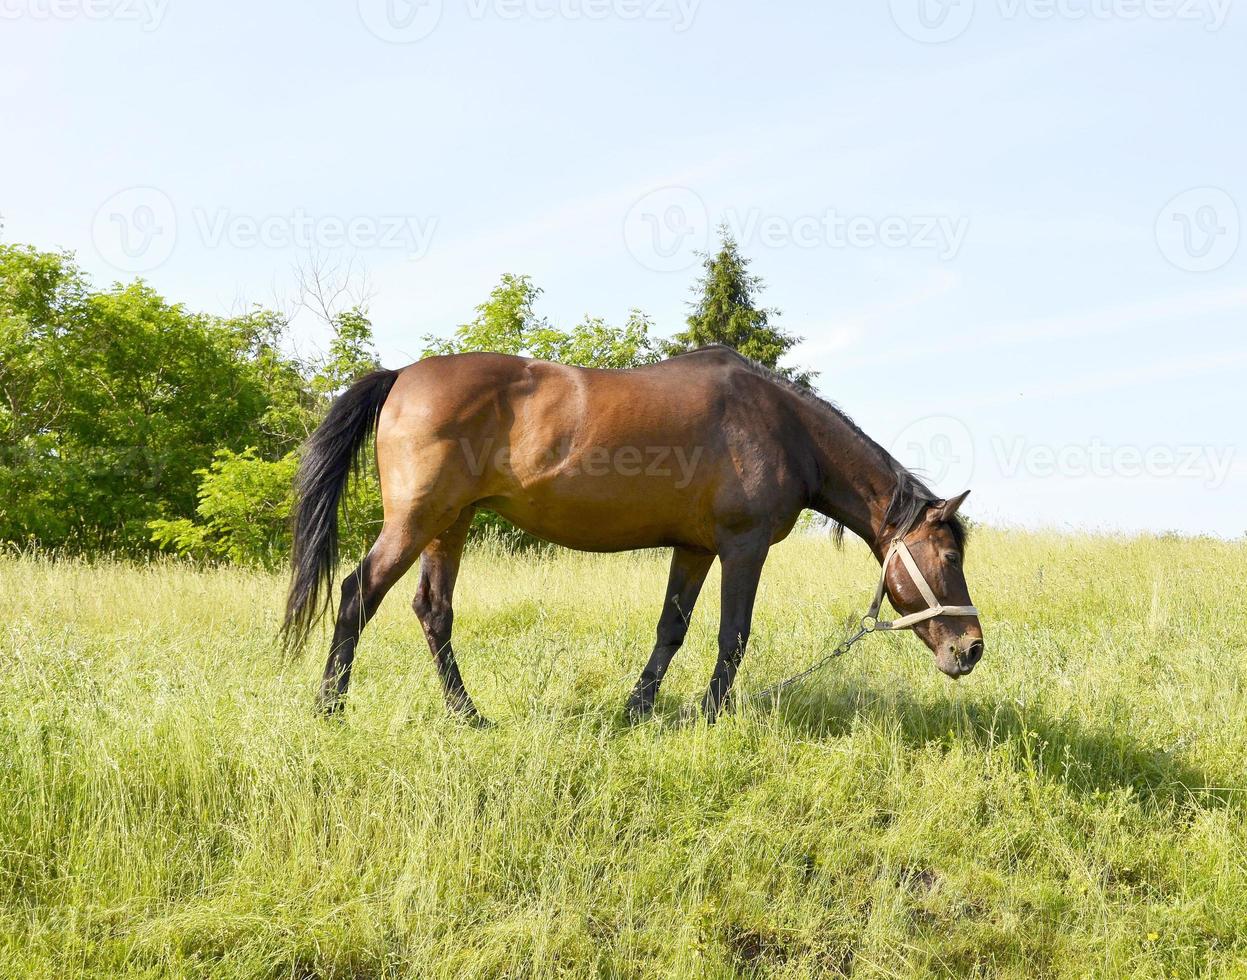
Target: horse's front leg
{"points": [[688, 572], [741, 561]]}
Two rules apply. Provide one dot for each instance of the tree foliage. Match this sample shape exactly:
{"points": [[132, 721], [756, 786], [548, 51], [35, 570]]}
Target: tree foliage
{"points": [[246, 500], [114, 399], [726, 311], [351, 352], [244, 509], [122, 414], [507, 324], [128, 422]]}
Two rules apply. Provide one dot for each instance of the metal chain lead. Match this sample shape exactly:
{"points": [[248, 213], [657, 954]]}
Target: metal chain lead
{"points": [[864, 628], [871, 622]]}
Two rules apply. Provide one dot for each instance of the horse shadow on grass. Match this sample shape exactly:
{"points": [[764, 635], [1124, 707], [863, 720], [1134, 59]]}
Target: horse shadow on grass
{"points": [[1087, 760]]}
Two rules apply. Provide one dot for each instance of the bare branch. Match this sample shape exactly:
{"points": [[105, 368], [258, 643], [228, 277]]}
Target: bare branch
{"points": [[328, 286]]}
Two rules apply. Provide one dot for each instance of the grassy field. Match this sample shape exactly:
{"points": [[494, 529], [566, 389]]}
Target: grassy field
{"points": [[170, 807]]}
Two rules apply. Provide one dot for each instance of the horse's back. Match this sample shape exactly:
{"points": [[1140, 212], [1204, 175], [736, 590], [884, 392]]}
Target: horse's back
{"points": [[442, 394]]}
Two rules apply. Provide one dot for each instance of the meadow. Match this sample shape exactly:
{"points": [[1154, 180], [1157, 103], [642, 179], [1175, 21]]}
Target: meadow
{"points": [[170, 807]]}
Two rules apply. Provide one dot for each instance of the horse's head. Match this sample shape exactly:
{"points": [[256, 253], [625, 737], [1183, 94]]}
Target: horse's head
{"points": [[936, 544]]}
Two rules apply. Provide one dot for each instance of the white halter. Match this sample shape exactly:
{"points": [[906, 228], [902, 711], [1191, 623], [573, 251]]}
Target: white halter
{"points": [[871, 622], [934, 606]]}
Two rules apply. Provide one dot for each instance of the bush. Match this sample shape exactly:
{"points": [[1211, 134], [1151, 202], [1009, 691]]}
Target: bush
{"points": [[246, 502]]}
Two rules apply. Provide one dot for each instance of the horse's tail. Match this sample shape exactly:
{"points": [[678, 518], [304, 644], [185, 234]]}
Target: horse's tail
{"points": [[330, 457]]}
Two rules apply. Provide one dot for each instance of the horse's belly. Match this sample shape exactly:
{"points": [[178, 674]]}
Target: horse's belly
{"points": [[606, 518]]}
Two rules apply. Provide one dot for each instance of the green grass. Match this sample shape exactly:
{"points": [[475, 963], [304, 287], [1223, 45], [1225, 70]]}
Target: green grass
{"points": [[170, 807]]}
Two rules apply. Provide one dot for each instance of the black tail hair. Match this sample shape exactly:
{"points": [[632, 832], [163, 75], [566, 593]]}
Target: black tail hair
{"points": [[330, 457]]}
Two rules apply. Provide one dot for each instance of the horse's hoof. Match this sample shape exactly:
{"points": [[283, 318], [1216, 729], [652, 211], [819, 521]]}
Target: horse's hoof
{"points": [[331, 710], [638, 713], [473, 719]]}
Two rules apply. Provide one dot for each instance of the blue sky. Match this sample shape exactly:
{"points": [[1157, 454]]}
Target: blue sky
{"points": [[1008, 229]]}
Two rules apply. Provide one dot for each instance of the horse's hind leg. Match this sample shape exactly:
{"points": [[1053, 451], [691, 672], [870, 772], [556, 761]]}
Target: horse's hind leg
{"points": [[362, 591], [433, 606], [688, 572]]}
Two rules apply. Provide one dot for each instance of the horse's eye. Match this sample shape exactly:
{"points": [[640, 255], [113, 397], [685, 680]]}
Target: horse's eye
{"points": [[952, 558]]}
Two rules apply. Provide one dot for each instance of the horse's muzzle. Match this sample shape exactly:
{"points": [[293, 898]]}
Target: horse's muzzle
{"points": [[959, 657]]}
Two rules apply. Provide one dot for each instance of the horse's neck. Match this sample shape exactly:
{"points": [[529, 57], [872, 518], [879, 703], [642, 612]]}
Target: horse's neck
{"points": [[857, 476]]}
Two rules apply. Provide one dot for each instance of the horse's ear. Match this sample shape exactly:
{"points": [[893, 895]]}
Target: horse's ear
{"points": [[945, 510]]}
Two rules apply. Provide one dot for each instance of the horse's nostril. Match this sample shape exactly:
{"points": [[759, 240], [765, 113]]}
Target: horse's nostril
{"points": [[974, 653]]}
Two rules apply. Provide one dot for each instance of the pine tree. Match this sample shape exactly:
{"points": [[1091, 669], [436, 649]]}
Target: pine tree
{"points": [[726, 311]]}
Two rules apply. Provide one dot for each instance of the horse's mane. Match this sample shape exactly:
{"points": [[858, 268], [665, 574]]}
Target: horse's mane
{"points": [[910, 499]]}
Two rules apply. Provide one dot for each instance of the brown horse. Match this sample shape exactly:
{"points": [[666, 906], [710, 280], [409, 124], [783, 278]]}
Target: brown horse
{"points": [[707, 454]]}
